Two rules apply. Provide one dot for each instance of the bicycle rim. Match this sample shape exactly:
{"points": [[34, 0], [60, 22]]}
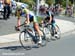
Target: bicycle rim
{"points": [[47, 34], [23, 37], [58, 32]]}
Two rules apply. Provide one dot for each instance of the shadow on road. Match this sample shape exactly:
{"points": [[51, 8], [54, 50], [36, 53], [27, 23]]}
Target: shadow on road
{"points": [[11, 48], [1, 19], [14, 48]]}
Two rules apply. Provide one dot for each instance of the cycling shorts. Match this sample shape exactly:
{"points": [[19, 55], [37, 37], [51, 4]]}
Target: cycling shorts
{"points": [[35, 19]]}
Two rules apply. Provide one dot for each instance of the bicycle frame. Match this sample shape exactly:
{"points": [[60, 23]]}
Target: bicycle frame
{"points": [[32, 33]]}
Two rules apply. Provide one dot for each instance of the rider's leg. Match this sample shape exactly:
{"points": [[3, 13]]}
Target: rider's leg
{"points": [[36, 27], [55, 29], [36, 21]]}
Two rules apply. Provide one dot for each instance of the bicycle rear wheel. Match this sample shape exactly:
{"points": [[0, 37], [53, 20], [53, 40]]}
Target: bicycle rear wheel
{"points": [[47, 34], [44, 42], [24, 40]]}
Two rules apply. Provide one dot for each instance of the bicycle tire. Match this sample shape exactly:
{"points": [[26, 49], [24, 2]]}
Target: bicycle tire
{"points": [[58, 32], [47, 34], [23, 40]]}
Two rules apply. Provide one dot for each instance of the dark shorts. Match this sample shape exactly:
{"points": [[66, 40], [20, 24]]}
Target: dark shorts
{"points": [[31, 19]]}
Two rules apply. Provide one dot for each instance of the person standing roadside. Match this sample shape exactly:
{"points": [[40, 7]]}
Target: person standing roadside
{"points": [[7, 5]]}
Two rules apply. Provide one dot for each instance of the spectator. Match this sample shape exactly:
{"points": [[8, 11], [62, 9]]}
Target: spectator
{"points": [[1, 6], [7, 5]]}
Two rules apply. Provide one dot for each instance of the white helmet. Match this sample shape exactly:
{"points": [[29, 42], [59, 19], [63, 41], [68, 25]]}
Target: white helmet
{"points": [[24, 5]]}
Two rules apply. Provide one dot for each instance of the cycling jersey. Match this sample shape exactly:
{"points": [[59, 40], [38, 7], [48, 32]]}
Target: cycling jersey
{"points": [[48, 15], [32, 16], [26, 11]]}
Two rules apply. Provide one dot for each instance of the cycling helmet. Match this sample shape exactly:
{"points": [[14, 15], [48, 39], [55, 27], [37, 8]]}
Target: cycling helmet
{"points": [[24, 6]]}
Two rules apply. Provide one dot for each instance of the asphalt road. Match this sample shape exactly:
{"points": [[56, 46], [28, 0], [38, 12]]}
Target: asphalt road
{"points": [[63, 47], [8, 26]]}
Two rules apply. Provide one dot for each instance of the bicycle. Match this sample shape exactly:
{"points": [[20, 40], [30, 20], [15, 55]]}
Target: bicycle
{"points": [[47, 32], [51, 31], [28, 34]]}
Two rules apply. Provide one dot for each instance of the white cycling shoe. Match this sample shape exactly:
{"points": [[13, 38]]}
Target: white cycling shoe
{"points": [[40, 41], [56, 36]]}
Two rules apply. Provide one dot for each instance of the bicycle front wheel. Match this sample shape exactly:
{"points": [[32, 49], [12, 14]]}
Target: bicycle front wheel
{"points": [[24, 40], [56, 30]]}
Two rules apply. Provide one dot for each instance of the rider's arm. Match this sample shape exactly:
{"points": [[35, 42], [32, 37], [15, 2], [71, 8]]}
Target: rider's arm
{"points": [[27, 16], [50, 17]]}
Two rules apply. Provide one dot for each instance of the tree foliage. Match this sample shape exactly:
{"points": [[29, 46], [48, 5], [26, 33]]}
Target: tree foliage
{"points": [[49, 2], [29, 2]]}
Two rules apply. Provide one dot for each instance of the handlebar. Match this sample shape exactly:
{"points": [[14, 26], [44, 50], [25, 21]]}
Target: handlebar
{"points": [[24, 25]]}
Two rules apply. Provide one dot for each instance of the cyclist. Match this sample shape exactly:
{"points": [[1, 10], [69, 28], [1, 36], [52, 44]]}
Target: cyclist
{"points": [[49, 17], [30, 17]]}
